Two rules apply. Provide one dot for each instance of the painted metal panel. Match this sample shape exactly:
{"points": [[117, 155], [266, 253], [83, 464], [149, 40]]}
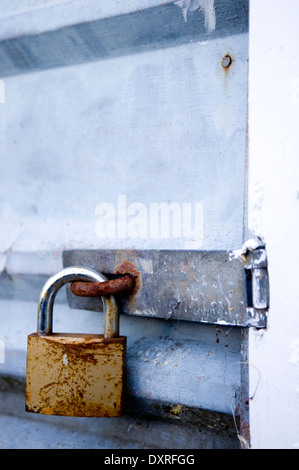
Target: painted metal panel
{"points": [[96, 120]]}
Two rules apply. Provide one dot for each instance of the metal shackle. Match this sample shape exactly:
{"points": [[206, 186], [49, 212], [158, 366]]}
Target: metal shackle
{"points": [[73, 274]]}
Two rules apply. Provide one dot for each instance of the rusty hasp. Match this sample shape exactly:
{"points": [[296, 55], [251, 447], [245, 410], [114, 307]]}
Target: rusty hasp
{"points": [[218, 287], [121, 285]]}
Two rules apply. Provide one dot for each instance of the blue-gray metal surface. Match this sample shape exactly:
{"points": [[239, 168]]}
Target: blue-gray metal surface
{"points": [[168, 362], [95, 121], [188, 375], [19, 430]]}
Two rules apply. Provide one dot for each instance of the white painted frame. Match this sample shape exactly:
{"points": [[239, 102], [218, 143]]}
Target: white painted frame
{"points": [[273, 214]]}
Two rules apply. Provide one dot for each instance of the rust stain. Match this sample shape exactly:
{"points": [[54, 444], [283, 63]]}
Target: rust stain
{"points": [[122, 285], [75, 375], [128, 268], [244, 432], [226, 62]]}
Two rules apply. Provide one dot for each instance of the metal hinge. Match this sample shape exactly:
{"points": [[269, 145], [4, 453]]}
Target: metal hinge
{"points": [[218, 287], [256, 270], [254, 256]]}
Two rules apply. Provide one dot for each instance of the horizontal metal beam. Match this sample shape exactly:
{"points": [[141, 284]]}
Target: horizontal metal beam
{"points": [[199, 286], [160, 26]]}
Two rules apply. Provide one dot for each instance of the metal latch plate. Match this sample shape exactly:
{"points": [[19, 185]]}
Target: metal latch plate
{"points": [[199, 286]]}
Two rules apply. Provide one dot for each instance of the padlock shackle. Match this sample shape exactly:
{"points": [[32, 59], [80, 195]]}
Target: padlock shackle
{"points": [[73, 274]]}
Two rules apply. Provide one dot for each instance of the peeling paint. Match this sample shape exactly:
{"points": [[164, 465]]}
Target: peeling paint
{"points": [[65, 360], [206, 5], [249, 245]]}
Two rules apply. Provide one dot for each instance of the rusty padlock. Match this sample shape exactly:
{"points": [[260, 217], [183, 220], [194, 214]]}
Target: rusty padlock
{"points": [[73, 374]]}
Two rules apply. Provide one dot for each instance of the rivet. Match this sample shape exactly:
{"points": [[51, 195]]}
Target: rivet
{"points": [[226, 61]]}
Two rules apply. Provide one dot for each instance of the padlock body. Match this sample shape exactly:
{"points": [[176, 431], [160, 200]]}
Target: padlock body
{"points": [[75, 374]]}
